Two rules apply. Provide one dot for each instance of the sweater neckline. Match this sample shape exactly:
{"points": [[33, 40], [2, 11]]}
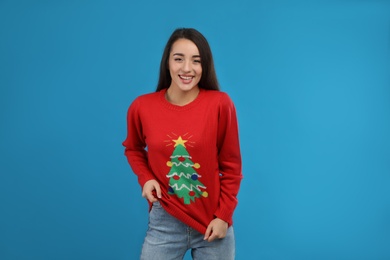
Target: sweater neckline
{"points": [[171, 106]]}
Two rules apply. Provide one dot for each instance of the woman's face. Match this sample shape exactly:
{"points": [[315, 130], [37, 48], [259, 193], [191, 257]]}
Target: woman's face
{"points": [[185, 65]]}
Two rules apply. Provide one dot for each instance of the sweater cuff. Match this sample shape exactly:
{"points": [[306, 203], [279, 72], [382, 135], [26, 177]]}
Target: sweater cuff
{"points": [[225, 215], [144, 178]]}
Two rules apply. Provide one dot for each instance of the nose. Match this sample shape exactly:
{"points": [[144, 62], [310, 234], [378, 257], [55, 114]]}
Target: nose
{"points": [[186, 66]]}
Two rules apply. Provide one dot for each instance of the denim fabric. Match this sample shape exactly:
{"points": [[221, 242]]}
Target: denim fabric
{"points": [[168, 238]]}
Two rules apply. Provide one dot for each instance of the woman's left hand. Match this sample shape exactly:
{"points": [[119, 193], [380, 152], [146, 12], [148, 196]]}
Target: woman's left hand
{"points": [[216, 229]]}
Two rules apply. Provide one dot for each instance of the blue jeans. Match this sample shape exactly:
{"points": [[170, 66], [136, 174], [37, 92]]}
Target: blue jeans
{"points": [[168, 238]]}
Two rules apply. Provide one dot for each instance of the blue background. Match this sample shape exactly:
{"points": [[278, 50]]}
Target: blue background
{"points": [[311, 83]]}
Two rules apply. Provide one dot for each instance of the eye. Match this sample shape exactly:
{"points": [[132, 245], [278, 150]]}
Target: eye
{"points": [[178, 59], [197, 61]]}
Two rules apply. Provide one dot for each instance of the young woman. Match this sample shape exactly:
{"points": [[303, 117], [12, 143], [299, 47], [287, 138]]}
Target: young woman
{"points": [[183, 145]]}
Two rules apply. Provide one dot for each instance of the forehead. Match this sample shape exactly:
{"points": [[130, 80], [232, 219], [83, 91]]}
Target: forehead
{"points": [[184, 46]]}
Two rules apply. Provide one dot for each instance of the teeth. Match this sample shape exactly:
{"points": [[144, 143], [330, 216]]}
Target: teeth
{"points": [[186, 78]]}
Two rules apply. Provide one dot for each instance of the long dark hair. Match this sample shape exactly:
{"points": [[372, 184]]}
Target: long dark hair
{"points": [[209, 77]]}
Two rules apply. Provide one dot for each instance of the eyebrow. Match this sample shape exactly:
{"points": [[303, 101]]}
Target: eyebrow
{"points": [[182, 55]]}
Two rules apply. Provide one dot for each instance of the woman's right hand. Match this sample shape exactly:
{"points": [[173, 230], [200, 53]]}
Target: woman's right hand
{"points": [[149, 187]]}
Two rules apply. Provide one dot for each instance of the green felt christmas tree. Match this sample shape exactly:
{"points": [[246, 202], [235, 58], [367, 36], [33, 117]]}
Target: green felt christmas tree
{"points": [[183, 178]]}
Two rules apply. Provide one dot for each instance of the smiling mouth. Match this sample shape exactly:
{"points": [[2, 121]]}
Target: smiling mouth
{"points": [[185, 78]]}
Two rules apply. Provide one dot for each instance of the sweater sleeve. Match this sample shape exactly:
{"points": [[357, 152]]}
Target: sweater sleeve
{"points": [[135, 146], [229, 159]]}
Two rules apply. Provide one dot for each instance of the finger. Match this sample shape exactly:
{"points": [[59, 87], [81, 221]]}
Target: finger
{"points": [[148, 195], [212, 237], [158, 190], [208, 232], [151, 198], [145, 193]]}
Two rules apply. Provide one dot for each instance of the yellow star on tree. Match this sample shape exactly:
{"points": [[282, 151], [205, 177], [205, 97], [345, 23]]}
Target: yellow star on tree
{"points": [[180, 141]]}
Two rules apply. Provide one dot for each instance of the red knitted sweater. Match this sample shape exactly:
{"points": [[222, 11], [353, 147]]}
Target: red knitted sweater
{"points": [[192, 151]]}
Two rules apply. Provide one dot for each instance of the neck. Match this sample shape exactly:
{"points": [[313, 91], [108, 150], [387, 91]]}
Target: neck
{"points": [[181, 98]]}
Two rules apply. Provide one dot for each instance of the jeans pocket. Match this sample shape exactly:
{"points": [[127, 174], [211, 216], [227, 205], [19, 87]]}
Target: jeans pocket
{"points": [[157, 215], [156, 205]]}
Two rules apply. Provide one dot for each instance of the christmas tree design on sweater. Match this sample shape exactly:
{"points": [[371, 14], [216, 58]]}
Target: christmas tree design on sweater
{"points": [[183, 178]]}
